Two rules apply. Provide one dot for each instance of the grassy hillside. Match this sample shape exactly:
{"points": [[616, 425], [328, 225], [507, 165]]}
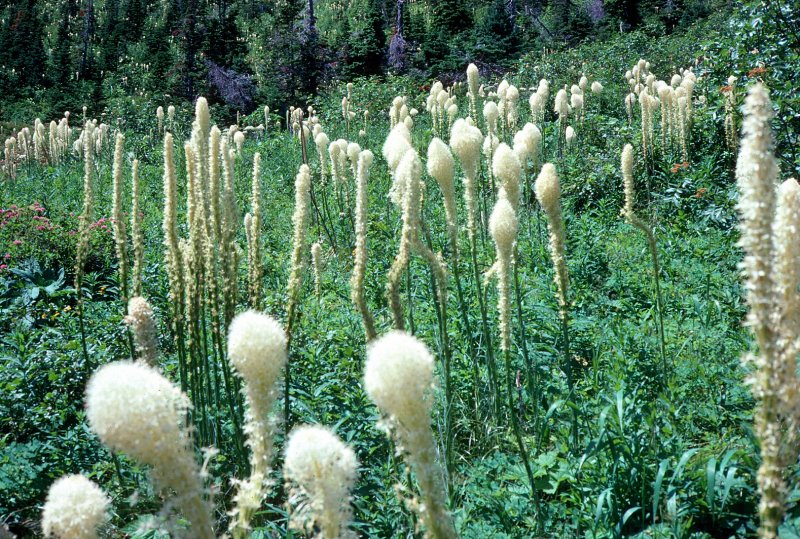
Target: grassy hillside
{"points": [[644, 444]]}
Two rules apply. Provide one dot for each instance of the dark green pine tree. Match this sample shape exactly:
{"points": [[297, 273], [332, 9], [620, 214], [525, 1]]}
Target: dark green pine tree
{"points": [[8, 85], [447, 19], [22, 47], [496, 37], [191, 45], [623, 11], [61, 61], [309, 64], [61, 64], [159, 22], [86, 67], [224, 44], [562, 15], [279, 56], [413, 26], [367, 40], [286, 13], [111, 34], [340, 42]]}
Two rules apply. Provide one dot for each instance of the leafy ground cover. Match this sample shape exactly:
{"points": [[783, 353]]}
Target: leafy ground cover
{"points": [[661, 452]]}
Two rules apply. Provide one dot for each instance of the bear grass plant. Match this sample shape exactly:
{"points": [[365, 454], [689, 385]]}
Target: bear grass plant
{"points": [[614, 347]]}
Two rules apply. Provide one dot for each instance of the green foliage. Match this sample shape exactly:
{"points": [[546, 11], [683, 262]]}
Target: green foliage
{"points": [[28, 232], [22, 49], [70, 52], [767, 49], [367, 40], [496, 37], [654, 461]]}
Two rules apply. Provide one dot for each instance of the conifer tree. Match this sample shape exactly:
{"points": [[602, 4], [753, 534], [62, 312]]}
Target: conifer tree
{"points": [[496, 37], [367, 39]]}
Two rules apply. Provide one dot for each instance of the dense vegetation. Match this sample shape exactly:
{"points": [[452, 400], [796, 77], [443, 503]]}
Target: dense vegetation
{"points": [[59, 55], [645, 429]]}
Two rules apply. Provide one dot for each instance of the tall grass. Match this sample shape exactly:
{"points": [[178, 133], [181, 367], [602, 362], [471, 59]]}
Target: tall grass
{"points": [[204, 239]]}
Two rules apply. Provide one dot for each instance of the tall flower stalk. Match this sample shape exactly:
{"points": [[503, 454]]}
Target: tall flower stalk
{"points": [[407, 192], [302, 187], [137, 236], [398, 377], [253, 231], [630, 215], [466, 140], [120, 232], [548, 192], [772, 273], [141, 321], [134, 409], [360, 252], [174, 257], [257, 350], [82, 250], [731, 135], [407, 177], [562, 109], [503, 226], [441, 167], [473, 81]]}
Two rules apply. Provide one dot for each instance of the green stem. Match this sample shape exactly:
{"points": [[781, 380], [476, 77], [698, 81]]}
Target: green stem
{"points": [[292, 319], [523, 339], [197, 382], [320, 218], [651, 242], [490, 365], [568, 370], [209, 387], [287, 379], [125, 297], [412, 326], [446, 360], [470, 338], [523, 453], [653, 248], [117, 469], [87, 364], [231, 400], [178, 329]]}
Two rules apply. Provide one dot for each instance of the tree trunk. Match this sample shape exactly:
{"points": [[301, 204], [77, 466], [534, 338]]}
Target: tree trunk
{"points": [[191, 45], [511, 9], [311, 21], [88, 35], [398, 19]]}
